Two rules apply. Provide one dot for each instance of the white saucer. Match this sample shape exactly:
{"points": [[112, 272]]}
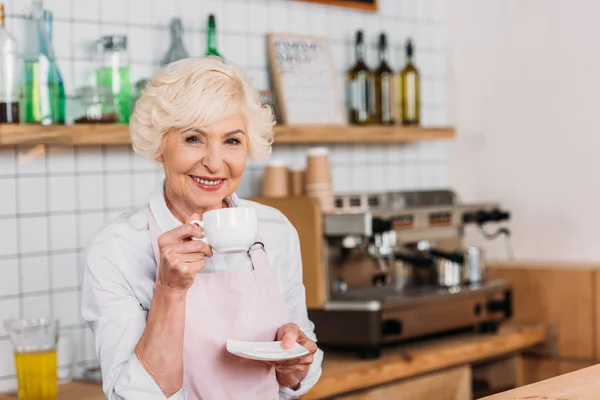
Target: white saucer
{"points": [[265, 351]]}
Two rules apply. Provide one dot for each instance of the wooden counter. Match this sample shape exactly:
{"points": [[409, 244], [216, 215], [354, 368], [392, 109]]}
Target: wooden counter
{"points": [[581, 385], [344, 372]]}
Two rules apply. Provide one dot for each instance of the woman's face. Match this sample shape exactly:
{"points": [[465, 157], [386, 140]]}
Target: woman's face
{"points": [[204, 165]]}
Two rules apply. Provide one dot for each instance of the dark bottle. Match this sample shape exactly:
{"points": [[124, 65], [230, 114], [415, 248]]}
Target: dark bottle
{"points": [[211, 37], [359, 81], [384, 86], [177, 50], [410, 90]]}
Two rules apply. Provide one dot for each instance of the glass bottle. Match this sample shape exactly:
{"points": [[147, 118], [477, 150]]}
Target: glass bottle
{"points": [[177, 50], [9, 75], [114, 73], [410, 90], [384, 88], [211, 45], [43, 93], [359, 81]]}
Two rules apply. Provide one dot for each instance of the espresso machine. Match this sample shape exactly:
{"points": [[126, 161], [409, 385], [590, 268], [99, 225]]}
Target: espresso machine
{"points": [[388, 267]]}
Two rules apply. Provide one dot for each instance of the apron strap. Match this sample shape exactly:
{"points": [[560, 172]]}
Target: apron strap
{"points": [[258, 256]]}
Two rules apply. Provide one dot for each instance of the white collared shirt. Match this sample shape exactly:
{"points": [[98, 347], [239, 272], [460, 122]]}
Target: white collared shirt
{"points": [[119, 280]]}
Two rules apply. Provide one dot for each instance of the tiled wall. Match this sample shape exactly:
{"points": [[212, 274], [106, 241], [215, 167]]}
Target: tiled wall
{"points": [[52, 199]]}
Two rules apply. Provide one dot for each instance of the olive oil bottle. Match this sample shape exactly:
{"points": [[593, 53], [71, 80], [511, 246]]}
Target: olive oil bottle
{"points": [[410, 90], [384, 86], [359, 81]]}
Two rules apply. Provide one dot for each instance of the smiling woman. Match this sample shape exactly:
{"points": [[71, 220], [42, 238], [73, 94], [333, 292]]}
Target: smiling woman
{"points": [[161, 305]]}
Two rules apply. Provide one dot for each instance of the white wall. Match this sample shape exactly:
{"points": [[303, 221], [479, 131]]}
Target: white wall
{"points": [[52, 199], [524, 97]]}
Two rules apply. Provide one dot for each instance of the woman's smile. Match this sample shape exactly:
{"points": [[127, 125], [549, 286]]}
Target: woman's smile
{"points": [[207, 183]]}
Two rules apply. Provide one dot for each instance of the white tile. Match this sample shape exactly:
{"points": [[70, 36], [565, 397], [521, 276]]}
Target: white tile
{"points": [[342, 57], [141, 47], [235, 16], [7, 364], [63, 231], [33, 234], [143, 185], [319, 21], [64, 271], [36, 306], [68, 349], [32, 195], [192, 14], [62, 193], [409, 9], [66, 308], [390, 7], [9, 308], [7, 161], [378, 178], [259, 79], [8, 201], [140, 13], [394, 179], [143, 70], [9, 284], [61, 159], [257, 17], [412, 177], [336, 28], [425, 10], [86, 10], [163, 11], [341, 153], [341, 178], [360, 178], [194, 42], [89, 224], [299, 18], [114, 29], [278, 18], [35, 274], [114, 11], [90, 190], [8, 244], [66, 69], [119, 190], [31, 160], [89, 159], [236, 48], [358, 154], [84, 36], [118, 159], [59, 8], [438, 10]]}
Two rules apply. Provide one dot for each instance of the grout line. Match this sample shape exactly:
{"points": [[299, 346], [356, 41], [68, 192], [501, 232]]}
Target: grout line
{"points": [[49, 233], [63, 213], [39, 254], [18, 233]]}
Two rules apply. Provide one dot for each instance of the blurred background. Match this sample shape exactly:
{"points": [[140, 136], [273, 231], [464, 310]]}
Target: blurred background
{"points": [[486, 104]]}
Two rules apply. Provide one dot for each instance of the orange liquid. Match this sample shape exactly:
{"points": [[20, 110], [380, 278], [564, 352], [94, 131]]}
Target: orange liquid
{"points": [[37, 375]]}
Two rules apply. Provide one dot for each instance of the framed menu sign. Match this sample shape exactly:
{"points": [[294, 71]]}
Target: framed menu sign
{"points": [[368, 5], [304, 80]]}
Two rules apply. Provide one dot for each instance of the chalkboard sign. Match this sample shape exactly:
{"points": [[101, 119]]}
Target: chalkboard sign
{"points": [[304, 80], [368, 5]]}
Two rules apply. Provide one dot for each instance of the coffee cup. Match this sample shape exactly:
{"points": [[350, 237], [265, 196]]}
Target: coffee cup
{"points": [[229, 230]]}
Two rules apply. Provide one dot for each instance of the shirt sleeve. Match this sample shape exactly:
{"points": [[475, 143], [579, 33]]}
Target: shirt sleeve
{"points": [[295, 298], [117, 320]]}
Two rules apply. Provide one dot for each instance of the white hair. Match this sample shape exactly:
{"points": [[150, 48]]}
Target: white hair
{"points": [[196, 92]]}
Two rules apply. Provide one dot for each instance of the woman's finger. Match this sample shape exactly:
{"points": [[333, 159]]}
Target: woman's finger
{"points": [[192, 247]]}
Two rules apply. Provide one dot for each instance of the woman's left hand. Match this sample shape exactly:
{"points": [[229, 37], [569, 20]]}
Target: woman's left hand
{"points": [[291, 372]]}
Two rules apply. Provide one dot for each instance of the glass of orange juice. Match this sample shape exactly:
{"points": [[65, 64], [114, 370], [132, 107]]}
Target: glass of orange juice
{"points": [[34, 341]]}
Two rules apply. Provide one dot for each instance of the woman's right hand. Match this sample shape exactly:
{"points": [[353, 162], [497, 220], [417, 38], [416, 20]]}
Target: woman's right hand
{"points": [[180, 257]]}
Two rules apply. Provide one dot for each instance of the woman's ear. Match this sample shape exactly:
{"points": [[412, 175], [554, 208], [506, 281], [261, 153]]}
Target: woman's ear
{"points": [[159, 158]]}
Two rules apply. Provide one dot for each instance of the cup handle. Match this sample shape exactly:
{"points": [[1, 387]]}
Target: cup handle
{"points": [[201, 225], [73, 349]]}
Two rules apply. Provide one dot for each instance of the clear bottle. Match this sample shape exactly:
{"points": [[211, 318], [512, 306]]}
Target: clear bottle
{"points": [[384, 87], [43, 92], [359, 80], [410, 90], [177, 50], [211, 38], [9, 75], [114, 73]]}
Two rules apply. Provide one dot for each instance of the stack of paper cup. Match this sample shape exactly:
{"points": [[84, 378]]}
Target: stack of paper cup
{"points": [[296, 182], [318, 177], [275, 182]]}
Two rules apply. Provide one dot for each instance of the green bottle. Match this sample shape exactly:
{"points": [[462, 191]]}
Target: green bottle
{"points": [[114, 73], [212, 38]]}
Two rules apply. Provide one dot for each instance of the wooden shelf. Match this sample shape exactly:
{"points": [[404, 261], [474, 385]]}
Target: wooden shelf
{"points": [[110, 134]]}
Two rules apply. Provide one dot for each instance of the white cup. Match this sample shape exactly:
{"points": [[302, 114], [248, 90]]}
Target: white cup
{"points": [[229, 230]]}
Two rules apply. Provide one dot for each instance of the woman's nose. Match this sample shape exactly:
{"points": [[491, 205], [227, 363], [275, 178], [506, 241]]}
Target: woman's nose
{"points": [[213, 161]]}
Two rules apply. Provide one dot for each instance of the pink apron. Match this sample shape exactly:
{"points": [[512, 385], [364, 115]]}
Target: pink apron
{"points": [[220, 306]]}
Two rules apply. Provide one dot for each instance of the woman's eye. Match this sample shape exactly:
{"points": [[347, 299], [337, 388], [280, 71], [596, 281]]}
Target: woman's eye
{"points": [[192, 139], [232, 141]]}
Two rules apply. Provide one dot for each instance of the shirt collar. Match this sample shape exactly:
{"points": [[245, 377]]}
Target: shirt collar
{"points": [[164, 218]]}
